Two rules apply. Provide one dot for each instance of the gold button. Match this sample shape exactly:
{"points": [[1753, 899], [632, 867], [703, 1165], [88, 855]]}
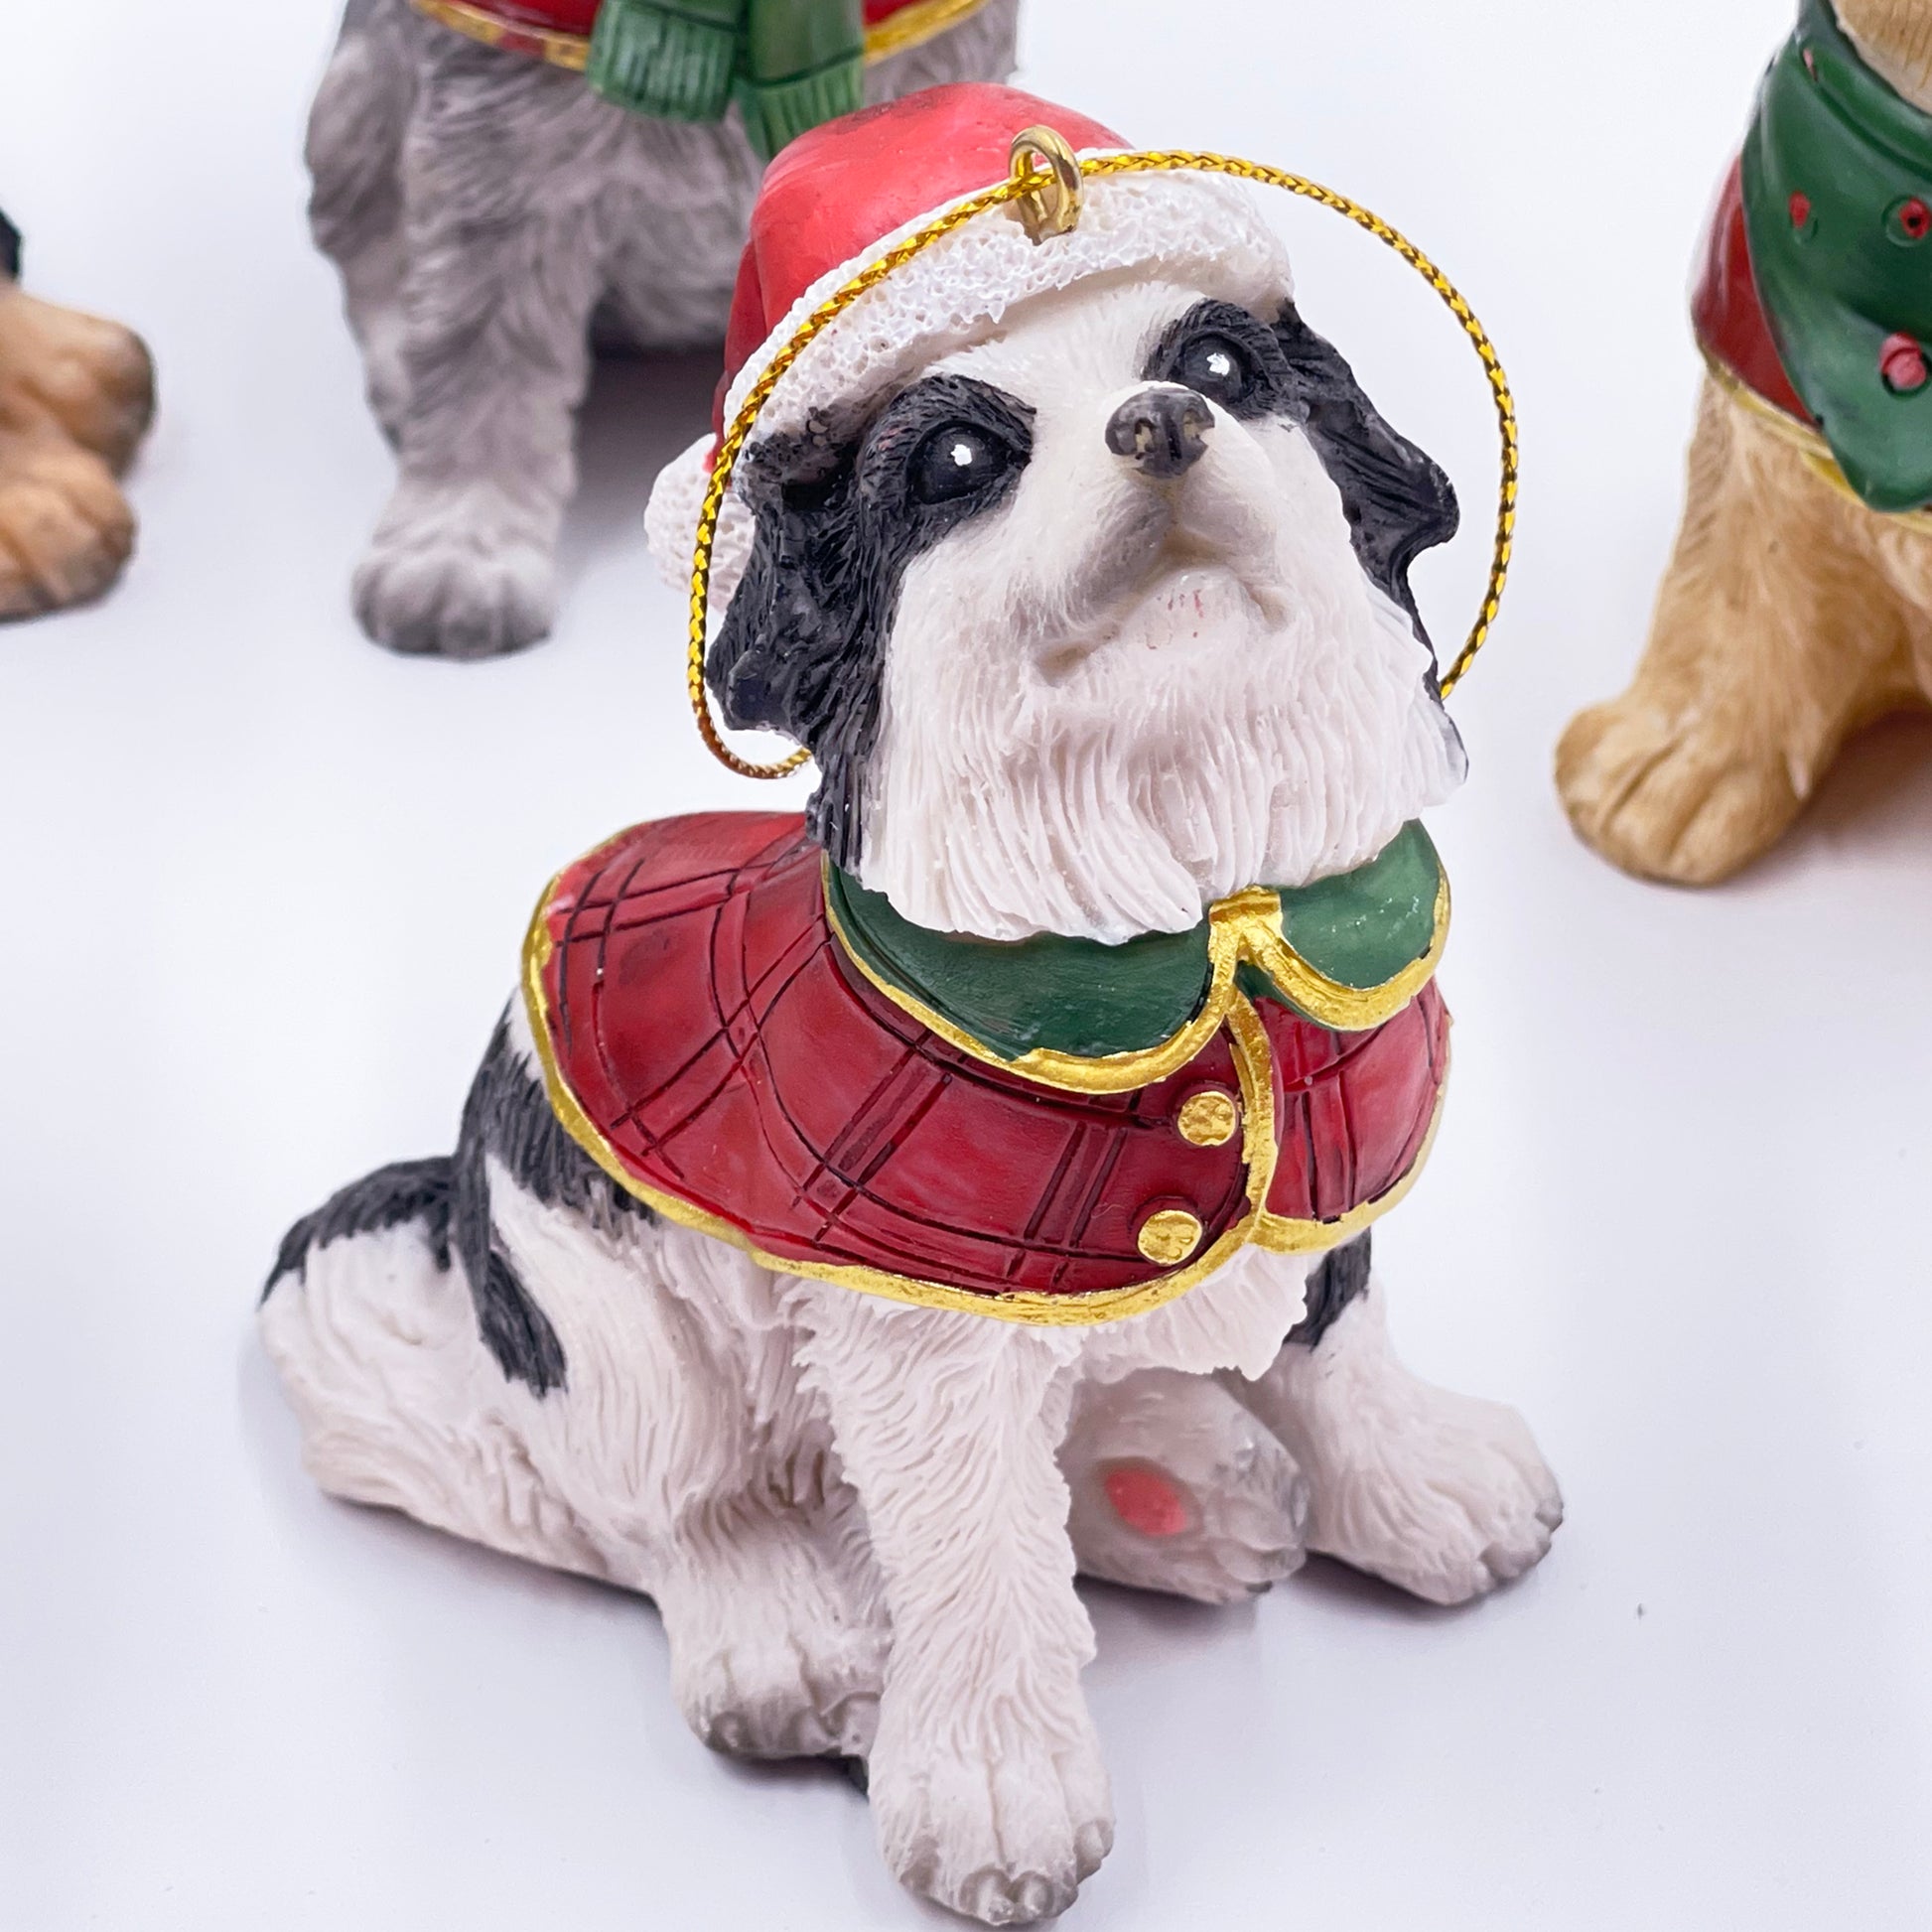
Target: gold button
{"points": [[1170, 1236], [1207, 1118]]}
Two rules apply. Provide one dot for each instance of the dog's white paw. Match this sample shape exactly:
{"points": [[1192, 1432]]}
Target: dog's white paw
{"points": [[1443, 1494], [1176, 1488], [1004, 1837], [456, 573], [774, 1652], [755, 1698]]}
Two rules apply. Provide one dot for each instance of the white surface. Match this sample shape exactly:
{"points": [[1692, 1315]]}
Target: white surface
{"points": [[263, 889]]}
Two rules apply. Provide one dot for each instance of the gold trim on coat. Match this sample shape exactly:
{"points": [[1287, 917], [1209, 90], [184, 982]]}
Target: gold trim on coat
{"points": [[1808, 442], [1279, 1234], [1246, 926], [1333, 1002], [1254, 1068], [914, 24], [911, 26]]}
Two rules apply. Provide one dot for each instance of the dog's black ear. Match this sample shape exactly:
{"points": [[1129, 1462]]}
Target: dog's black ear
{"points": [[9, 249], [801, 647], [839, 510], [1398, 500]]}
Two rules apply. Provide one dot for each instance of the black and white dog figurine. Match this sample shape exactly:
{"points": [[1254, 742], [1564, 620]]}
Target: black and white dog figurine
{"points": [[1094, 611], [482, 207]]}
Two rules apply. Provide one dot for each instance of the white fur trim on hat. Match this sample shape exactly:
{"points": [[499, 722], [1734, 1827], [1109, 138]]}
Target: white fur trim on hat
{"points": [[1201, 230], [671, 526]]}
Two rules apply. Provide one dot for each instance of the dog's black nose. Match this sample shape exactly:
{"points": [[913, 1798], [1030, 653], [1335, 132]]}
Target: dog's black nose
{"points": [[1160, 430]]}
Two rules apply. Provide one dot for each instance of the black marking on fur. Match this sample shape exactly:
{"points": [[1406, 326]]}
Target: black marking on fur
{"points": [[508, 1118], [1396, 498], [1262, 386], [802, 649], [1337, 1280], [408, 1191], [9, 248]]}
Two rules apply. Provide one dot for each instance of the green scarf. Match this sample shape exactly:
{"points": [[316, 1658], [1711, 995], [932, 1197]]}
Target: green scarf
{"points": [[1837, 178], [1078, 995], [788, 63]]}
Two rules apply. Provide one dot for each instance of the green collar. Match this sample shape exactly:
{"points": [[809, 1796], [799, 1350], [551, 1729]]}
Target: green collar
{"points": [[1346, 951], [1838, 185]]}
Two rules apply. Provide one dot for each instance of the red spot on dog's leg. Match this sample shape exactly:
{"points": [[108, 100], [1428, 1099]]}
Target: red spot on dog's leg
{"points": [[1146, 1499], [1901, 362]]}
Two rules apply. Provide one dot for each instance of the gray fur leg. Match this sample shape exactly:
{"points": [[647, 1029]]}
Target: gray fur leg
{"points": [[505, 265], [354, 153], [481, 205]]}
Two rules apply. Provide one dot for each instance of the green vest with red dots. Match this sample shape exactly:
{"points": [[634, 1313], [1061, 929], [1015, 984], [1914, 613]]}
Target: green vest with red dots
{"points": [[1835, 228]]}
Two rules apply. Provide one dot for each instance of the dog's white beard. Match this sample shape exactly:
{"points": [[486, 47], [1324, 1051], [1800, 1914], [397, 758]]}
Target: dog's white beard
{"points": [[1149, 781]]}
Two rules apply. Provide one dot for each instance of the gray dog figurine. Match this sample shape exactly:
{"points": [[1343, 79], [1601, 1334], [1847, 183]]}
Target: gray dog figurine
{"points": [[486, 200]]}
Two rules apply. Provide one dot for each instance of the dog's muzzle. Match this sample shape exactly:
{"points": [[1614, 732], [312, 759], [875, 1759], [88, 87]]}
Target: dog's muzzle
{"points": [[1161, 430]]}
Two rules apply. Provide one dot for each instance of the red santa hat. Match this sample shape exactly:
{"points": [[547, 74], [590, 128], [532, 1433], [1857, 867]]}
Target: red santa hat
{"points": [[845, 193]]}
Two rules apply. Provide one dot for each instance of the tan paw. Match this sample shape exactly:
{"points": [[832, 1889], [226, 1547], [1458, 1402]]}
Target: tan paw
{"points": [[1686, 798], [64, 528], [88, 379]]}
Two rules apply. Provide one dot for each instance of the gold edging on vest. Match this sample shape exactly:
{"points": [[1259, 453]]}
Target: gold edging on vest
{"points": [[1805, 439], [1254, 1067], [910, 25], [1245, 925]]}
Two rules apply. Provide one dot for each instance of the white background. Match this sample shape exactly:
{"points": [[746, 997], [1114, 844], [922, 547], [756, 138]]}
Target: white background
{"points": [[264, 888]]}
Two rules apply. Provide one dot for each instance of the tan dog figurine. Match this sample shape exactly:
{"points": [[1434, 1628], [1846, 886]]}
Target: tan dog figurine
{"points": [[1798, 605], [77, 394]]}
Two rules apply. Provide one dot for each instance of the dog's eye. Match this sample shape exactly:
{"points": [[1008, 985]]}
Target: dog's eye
{"points": [[958, 459], [1217, 368]]}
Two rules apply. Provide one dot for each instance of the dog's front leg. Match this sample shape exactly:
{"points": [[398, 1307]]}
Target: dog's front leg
{"points": [[505, 261], [1445, 1495], [988, 1789], [1775, 634]]}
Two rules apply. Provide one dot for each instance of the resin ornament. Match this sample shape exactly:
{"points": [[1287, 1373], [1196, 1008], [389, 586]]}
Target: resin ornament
{"points": [[1799, 603], [76, 395], [864, 1219], [500, 180]]}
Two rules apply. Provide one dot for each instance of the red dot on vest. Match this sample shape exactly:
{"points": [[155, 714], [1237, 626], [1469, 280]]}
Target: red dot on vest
{"points": [[1901, 362], [1147, 1500], [1915, 218], [1800, 208]]}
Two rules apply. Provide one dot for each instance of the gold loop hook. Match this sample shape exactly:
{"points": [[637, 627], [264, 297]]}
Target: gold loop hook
{"points": [[1050, 202]]}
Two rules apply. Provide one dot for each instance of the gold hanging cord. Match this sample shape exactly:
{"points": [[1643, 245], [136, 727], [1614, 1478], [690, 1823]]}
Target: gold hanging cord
{"points": [[1045, 186]]}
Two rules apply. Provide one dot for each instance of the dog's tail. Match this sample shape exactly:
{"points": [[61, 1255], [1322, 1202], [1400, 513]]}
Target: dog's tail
{"points": [[407, 1191]]}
